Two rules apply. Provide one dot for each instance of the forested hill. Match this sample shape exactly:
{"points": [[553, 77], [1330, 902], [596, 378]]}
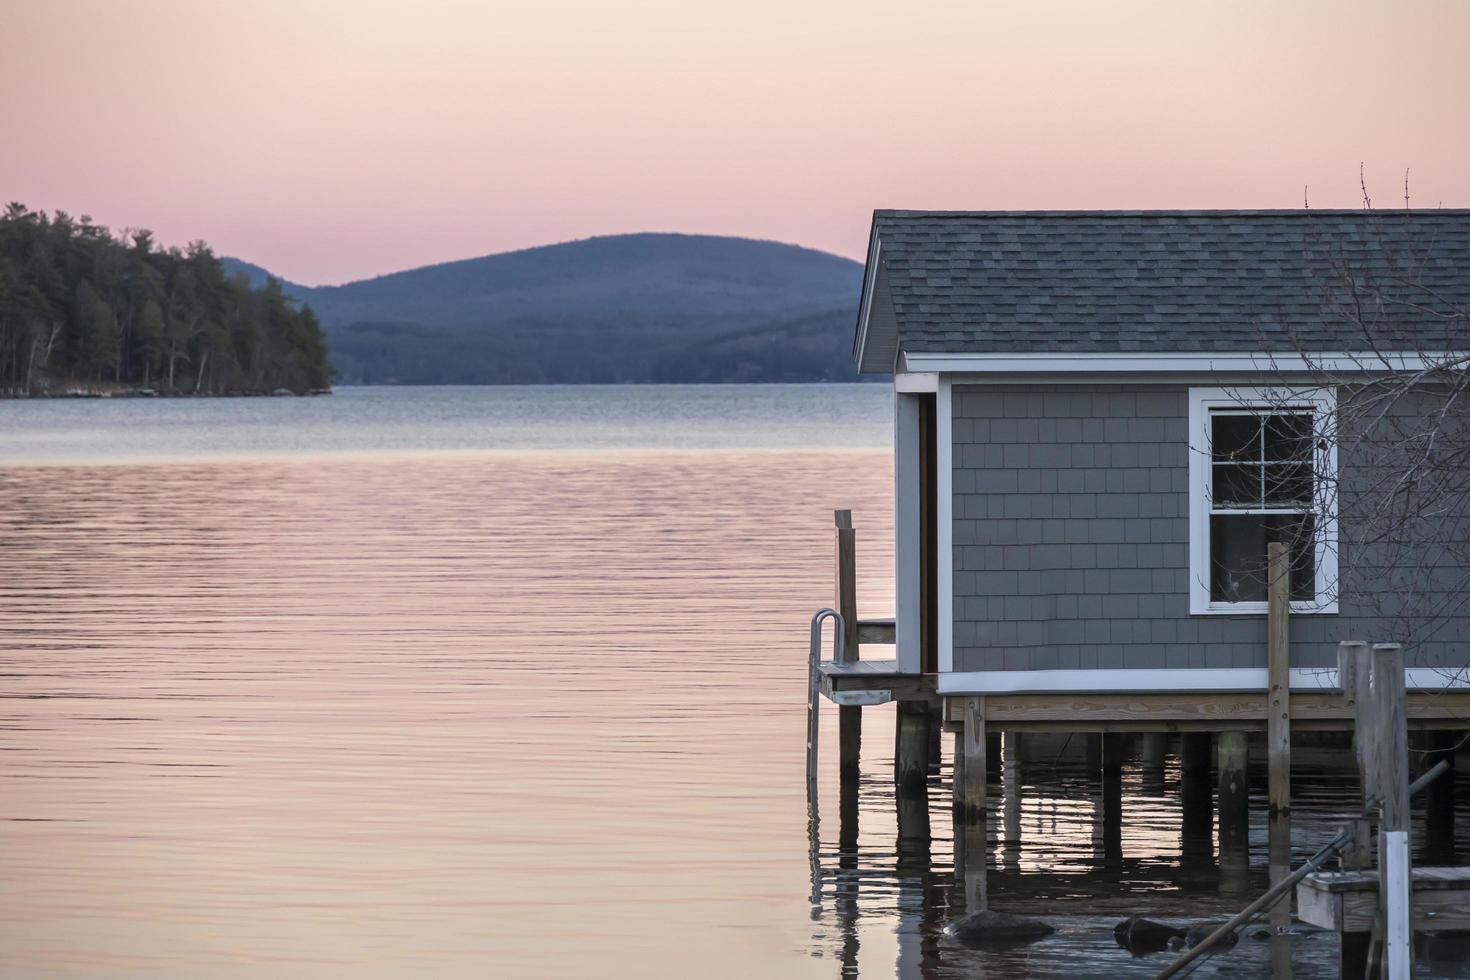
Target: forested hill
{"points": [[84, 310], [623, 308]]}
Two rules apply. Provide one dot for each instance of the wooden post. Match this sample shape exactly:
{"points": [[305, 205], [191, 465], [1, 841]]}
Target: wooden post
{"points": [[1232, 757], [1153, 748], [957, 781], [1278, 721], [1197, 824], [1390, 758], [911, 750], [1092, 742], [976, 846], [911, 771], [1194, 753], [1111, 749], [1011, 782], [975, 758], [1354, 674], [849, 717]]}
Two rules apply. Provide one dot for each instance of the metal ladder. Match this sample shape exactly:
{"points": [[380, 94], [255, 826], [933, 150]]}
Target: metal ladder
{"points": [[814, 687]]}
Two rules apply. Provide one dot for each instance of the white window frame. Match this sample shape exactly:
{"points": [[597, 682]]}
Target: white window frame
{"points": [[1323, 405]]}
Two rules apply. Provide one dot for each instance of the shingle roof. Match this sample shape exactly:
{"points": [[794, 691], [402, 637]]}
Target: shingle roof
{"points": [[1122, 281]]}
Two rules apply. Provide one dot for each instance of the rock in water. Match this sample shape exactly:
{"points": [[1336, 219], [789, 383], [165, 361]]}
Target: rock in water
{"points": [[987, 928], [1139, 935], [1200, 931]]}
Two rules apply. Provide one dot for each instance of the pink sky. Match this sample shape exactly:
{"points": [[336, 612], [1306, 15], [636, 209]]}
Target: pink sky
{"points": [[336, 140]]}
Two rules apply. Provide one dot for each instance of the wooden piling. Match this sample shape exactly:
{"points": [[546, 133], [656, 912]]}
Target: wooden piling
{"points": [[849, 717], [1278, 720], [957, 780], [1195, 749], [1197, 824], [1196, 827], [1390, 759], [1111, 750], [911, 750], [1354, 673], [1231, 758], [1232, 790], [973, 855], [1011, 784], [1092, 742], [1153, 748], [975, 745]]}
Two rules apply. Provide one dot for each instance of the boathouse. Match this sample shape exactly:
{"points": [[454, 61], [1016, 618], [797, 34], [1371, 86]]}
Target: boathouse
{"points": [[1168, 473], [1140, 490], [1103, 417]]}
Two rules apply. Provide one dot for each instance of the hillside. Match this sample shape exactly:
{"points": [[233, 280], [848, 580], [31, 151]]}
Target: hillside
{"points": [[87, 311], [626, 308]]}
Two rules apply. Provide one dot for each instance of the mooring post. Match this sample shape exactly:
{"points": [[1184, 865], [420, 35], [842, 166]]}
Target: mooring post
{"points": [[849, 717], [1278, 721], [1390, 759]]}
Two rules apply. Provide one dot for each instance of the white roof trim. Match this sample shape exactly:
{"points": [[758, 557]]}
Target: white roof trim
{"points": [[916, 384], [1144, 362], [870, 286]]}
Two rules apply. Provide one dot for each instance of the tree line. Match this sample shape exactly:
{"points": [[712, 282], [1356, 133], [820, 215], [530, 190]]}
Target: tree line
{"points": [[82, 309]]}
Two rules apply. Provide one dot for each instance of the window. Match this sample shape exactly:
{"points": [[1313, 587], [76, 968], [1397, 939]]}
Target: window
{"points": [[1259, 468]]}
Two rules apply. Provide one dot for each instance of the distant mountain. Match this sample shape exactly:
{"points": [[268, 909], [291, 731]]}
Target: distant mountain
{"points": [[624, 308], [258, 276]]}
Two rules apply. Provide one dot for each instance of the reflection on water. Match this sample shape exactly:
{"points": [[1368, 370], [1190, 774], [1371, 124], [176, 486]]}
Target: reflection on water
{"points": [[529, 715]]}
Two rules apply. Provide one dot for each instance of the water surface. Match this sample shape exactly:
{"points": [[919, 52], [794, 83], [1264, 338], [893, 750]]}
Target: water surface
{"points": [[495, 682]]}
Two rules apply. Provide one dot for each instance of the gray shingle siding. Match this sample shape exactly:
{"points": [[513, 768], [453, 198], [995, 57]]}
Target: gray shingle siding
{"points": [[1071, 542]]}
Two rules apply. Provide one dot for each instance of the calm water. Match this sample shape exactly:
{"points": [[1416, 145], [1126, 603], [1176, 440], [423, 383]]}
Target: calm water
{"points": [[496, 682]]}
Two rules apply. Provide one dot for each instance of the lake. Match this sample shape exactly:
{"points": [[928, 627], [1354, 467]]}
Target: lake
{"points": [[510, 682]]}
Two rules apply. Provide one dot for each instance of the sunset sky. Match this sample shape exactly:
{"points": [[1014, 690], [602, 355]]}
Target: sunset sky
{"points": [[331, 141]]}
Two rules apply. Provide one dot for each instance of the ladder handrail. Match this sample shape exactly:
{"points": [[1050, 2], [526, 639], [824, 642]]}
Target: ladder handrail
{"points": [[814, 690]]}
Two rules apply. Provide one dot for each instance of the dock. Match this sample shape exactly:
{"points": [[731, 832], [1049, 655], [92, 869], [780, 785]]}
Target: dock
{"points": [[1208, 731]]}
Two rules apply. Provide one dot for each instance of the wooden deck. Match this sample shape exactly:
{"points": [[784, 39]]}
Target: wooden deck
{"points": [[841, 681]]}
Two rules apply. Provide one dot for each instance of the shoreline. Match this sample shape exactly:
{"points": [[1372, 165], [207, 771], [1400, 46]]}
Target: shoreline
{"points": [[123, 392]]}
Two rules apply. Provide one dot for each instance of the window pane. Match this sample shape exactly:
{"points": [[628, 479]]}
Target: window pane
{"points": [[1237, 558], [1297, 530], [1289, 437], [1236, 485], [1235, 437], [1238, 555], [1289, 484]]}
